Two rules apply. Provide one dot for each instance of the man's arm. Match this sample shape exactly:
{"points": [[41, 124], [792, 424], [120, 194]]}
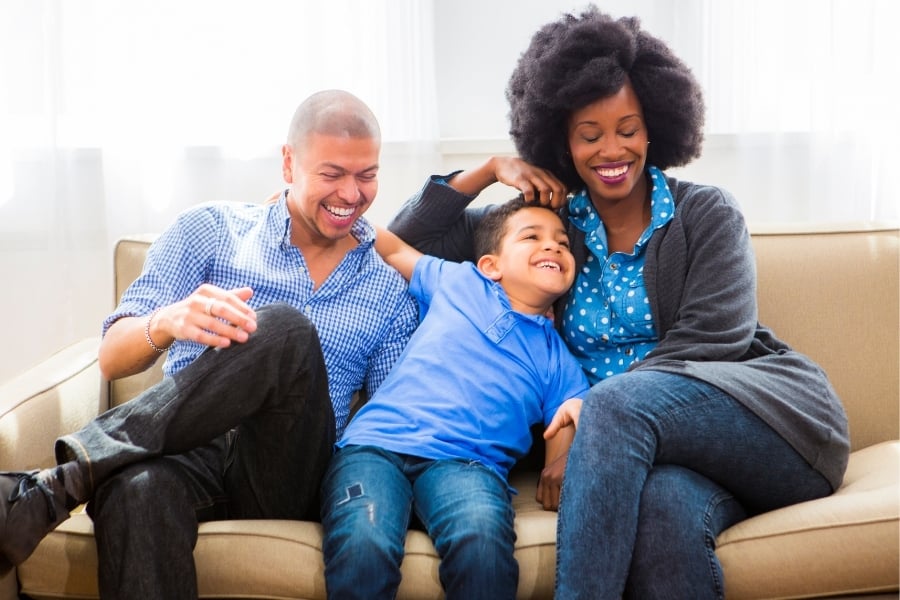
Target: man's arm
{"points": [[396, 252], [211, 316]]}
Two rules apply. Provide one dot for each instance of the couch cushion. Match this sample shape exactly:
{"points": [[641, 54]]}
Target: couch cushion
{"points": [[802, 550], [228, 558]]}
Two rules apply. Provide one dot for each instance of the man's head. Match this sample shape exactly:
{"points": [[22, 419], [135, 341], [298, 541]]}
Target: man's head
{"points": [[526, 249], [330, 161]]}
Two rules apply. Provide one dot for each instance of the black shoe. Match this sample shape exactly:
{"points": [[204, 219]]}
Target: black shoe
{"points": [[32, 504]]}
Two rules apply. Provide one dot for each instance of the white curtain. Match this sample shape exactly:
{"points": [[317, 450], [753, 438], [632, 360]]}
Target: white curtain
{"points": [[802, 102], [117, 114]]}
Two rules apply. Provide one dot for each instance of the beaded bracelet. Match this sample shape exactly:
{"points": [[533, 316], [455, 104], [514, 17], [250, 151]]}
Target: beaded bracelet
{"points": [[147, 334]]}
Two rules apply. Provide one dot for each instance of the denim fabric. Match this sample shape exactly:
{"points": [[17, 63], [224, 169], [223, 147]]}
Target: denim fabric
{"points": [[368, 498], [660, 465], [242, 432]]}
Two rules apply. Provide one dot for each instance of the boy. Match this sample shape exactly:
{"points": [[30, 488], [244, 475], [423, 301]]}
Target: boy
{"points": [[453, 416]]}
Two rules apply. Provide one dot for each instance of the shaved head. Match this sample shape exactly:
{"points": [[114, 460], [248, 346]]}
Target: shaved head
{"points": [[332, 113]]}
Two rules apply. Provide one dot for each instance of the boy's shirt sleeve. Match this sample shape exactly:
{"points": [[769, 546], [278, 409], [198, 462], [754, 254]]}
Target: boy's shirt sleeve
{"points": [[571, 382], [425, 281]]}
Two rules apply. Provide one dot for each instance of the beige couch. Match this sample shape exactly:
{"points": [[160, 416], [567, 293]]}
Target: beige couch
{"points": [[832, 294]]}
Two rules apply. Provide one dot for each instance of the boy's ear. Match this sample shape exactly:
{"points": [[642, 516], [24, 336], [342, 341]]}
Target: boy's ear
{"points": [[489, 266]]}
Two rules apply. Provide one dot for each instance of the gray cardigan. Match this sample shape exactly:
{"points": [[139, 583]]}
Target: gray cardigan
{"points": [[700, 274]]}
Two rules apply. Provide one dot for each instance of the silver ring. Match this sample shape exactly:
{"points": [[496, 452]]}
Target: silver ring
{"points": [[209, 306]]}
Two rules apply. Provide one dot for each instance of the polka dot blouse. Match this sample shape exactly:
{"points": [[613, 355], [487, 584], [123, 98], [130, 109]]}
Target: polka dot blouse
{"points": [[607, 320]]}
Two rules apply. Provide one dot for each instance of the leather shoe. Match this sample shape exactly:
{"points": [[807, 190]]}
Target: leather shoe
{"points": [[32, 504]]}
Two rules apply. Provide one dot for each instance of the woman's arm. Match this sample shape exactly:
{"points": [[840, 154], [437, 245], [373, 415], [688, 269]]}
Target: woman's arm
{"points": [[438, 220], [535, 184]]}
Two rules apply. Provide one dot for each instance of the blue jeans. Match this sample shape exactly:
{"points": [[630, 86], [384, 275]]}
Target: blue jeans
{"points": [[660, 465], [243, 432], [368, 496]]}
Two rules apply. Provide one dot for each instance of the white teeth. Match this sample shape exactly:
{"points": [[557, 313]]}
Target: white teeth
{"points": [[547, 264], [339, 212], [613, 172]]}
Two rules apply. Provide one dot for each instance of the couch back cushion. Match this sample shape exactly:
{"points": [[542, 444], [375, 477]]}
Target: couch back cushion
{"points": [[831, 295], [834, 296], [129, 255]]}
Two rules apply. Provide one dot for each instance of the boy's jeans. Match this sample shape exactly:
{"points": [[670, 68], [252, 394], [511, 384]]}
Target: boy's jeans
{"points": [[660, 465], [368, 496], [242, 432]]}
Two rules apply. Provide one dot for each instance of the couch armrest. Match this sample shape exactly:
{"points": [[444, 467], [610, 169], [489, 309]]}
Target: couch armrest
{"points": [[57, 396]]}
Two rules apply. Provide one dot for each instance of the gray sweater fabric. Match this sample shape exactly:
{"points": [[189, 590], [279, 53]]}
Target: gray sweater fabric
{"points": [[700, 274]]}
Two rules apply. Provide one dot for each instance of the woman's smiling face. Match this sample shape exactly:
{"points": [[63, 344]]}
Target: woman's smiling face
{"points": [[608, 142]]}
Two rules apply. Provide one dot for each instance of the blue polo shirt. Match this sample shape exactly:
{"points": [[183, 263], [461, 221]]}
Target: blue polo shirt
{"points": [[473, 379]]}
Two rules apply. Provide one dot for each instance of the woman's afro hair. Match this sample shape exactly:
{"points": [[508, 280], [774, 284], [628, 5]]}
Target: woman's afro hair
{"points": [[579, 59]]}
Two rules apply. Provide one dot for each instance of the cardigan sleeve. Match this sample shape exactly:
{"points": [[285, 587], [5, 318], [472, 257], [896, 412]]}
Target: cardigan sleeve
{"points": [[437, 221], [703, 282]]}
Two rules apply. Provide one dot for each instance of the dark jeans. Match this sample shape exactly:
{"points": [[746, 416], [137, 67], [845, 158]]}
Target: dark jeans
{"points": [[244, 432]]}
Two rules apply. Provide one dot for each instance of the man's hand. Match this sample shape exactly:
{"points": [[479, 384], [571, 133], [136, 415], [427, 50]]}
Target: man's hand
{"points": [[211, 316]]}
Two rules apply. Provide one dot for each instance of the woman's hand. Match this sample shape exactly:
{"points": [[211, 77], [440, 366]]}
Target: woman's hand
{"points": [[535, 184]]}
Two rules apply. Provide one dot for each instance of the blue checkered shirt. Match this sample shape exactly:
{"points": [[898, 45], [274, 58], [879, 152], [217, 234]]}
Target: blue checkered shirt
{"points": [[362, 312]]}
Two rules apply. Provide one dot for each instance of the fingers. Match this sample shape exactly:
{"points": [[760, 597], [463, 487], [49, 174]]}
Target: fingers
{"points": [[554, 426], [536, 184], [566, 415], [549, 486], [213, 316]]}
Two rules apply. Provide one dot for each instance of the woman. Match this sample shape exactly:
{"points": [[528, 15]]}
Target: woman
{"points": [[698, 416]]}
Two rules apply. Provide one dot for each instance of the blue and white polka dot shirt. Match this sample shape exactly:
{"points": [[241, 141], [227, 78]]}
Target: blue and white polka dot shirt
{"points": [[363, 312], [607, 320]]}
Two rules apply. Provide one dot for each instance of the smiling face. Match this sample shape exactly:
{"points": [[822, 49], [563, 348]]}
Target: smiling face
{"points": [[608, 143], [533, 264], [333, 181]]}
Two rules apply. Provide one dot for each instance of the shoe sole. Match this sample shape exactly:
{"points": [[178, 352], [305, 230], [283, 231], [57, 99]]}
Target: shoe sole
{"points": [[5, 566]]}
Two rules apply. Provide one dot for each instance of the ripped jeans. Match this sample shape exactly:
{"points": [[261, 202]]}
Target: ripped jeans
{"points": [[368, 498]]}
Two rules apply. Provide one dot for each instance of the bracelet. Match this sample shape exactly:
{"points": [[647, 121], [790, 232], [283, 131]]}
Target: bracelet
{"points": [[147, 334]]}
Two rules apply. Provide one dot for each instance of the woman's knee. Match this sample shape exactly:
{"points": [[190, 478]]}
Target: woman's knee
{"points": [[677, 499]]}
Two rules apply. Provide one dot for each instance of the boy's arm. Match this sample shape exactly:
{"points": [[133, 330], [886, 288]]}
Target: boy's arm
{"points": [[558, 435], [396, 252]]}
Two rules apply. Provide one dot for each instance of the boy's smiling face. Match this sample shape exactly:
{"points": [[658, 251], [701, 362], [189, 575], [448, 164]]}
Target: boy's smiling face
{"points": [[534, 264]]}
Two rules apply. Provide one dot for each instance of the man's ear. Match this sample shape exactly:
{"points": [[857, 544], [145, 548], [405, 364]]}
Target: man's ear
{"points": [[287, 157], [490, 267]]}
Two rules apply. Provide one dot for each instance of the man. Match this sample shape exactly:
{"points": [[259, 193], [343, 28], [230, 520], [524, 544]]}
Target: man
{"points": [[275, 315]]}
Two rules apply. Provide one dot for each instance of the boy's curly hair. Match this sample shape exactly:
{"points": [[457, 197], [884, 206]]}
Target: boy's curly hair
{"points": [[493, 226], [580, 59]]}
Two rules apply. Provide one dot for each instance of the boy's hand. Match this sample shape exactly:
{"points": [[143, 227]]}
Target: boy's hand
{"points": [[566, 415], [550, 484]]}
